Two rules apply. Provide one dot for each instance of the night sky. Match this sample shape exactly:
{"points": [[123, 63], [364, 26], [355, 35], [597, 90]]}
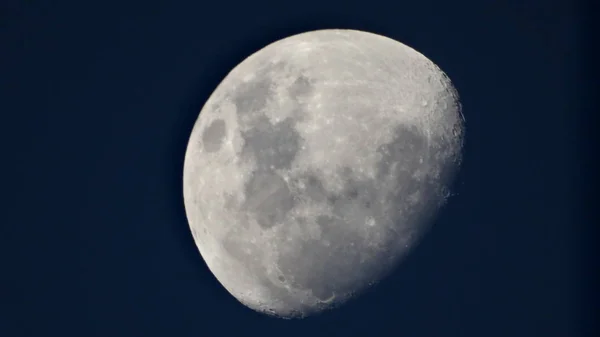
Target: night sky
{"points": [[99, 99]]}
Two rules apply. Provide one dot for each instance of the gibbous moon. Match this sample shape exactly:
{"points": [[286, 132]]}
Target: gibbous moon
{"points": [[316, 165]]}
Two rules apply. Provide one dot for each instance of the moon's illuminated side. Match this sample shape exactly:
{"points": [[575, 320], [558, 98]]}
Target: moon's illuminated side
{"points": [[315, 166]]}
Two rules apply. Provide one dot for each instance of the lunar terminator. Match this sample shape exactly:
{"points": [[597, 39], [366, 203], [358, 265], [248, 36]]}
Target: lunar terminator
{"points": [[316, 165]]}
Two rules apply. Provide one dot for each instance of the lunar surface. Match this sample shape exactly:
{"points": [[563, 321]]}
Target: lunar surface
{"points": [[316, 165]]}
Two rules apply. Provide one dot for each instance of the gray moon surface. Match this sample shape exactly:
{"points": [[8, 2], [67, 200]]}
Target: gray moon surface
{"points": [[316, 165]]}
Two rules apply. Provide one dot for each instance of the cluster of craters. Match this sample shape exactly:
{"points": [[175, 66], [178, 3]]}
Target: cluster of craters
{"points": [[326, 266]]}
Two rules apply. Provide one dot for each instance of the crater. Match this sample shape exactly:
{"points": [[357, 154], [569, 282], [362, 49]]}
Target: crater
{"points": [[213, 135]]}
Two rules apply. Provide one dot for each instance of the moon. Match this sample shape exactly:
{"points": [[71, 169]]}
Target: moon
{"points": [[316, 165]]}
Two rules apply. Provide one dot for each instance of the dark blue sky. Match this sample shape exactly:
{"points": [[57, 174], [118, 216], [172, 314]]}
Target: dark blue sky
{"points": [[100, 99]]}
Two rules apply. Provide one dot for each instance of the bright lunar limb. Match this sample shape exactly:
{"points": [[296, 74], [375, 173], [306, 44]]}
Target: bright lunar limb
{"points": [[316, 165]]}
